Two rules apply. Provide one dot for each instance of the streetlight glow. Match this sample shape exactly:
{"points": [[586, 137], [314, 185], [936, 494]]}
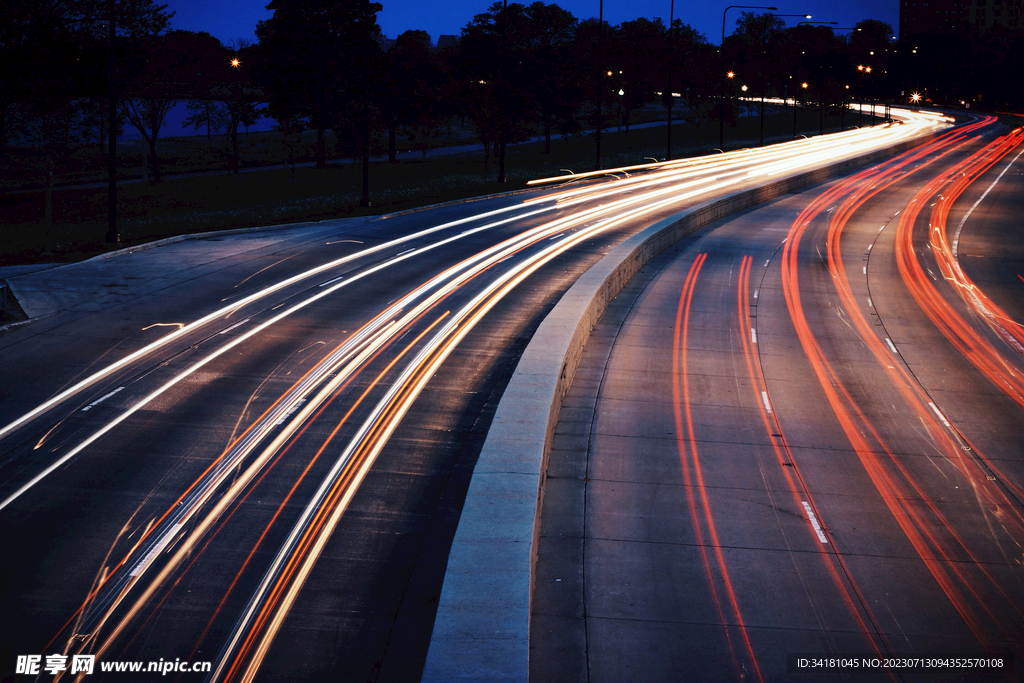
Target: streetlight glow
{"points": [[730, 74], [235, 63]]}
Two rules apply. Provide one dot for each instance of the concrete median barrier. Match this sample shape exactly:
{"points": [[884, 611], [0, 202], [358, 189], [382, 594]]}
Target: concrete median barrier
{"points": [[481, 632]]}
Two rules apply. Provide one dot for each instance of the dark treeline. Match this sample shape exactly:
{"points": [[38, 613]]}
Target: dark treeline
{"points": [[515, 71]]}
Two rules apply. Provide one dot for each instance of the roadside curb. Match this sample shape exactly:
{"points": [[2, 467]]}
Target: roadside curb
{"points": [[481, 631]]}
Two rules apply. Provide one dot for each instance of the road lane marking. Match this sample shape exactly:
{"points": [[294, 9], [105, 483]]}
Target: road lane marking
{"points": [[891, 345], [941, 416], [156, 550], [753, 335], [814, 522], [238, 324], [956, 235], [767, 405], [324, 284], [280, 420], [101, 399]]}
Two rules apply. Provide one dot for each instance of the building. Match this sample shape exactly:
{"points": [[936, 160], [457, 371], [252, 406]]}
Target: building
{"points": [[969, 18]]}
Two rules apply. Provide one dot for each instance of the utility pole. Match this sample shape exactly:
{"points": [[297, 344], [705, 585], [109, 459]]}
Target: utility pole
{"points": [[600, 84], [364, 201], [669, 96], [503, 133], [112, 237]]}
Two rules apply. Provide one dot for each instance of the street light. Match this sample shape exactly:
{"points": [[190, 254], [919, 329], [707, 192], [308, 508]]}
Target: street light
{"points": [[112, 236], [804, 85], [600, 85], [721, 51], [764, 40], [667, 97]]}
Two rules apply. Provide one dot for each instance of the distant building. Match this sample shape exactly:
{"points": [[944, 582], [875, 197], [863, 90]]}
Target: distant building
{"points": [[987, 15], [446, 41], [959, 17]]}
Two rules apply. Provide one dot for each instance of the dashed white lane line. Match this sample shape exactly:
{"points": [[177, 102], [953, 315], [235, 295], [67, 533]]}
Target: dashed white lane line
{"points": [[753, 335], [280, 420], [101, 399], [767, 405], [941, 416], [155, 550], [814, 522], [238, 324], [891, 345]]}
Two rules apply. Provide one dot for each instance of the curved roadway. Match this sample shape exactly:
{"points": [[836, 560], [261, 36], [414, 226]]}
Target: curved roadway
{"points": [[798, 433], [257, 460]]}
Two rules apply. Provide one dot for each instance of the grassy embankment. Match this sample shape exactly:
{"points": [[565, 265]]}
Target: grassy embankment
{"points": [[148, 211]]}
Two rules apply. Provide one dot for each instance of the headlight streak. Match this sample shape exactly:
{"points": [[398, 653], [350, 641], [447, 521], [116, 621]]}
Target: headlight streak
{"points": [[918, 117], [262, 293], [813, 159], [374, 335], [173, 521], [244, 633]]}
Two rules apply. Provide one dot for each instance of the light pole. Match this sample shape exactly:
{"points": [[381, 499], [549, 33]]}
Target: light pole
{"points": [[821, 82], [764, 41], [501, 123], [600, 83], [112, 237], [668, 94], [721, 52]]}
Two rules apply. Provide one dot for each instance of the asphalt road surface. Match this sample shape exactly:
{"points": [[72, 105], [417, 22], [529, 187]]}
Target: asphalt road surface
{"points": [[799, 433], [257, 461]]}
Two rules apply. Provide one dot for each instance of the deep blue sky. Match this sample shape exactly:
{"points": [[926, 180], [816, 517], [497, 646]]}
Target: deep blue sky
{"points": [[230, 20]]}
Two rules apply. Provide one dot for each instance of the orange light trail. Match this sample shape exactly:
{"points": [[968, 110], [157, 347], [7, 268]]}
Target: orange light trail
{"points": [[693, 478]]}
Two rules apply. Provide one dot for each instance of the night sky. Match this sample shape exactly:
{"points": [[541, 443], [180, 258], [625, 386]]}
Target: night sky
{"points": [[230, 20]]}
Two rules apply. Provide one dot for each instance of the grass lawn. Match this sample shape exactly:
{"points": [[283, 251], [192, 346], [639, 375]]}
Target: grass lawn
{"points": [[148, 211]]}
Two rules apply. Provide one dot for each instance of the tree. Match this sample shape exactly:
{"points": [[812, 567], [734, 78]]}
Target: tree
{"points": [[205, 113], [557, 93], [237, 97], [413, 89], [307, 52]]}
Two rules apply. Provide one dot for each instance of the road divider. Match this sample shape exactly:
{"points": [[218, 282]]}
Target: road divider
{"points": [[481, 631]]}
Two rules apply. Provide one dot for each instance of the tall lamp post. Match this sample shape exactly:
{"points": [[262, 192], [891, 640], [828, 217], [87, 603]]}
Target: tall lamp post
{"points": [[502, 131], [600, 84], [824, 24], [821, 125], [764, 40], [668, 95], [112, 236], [721, 73]]}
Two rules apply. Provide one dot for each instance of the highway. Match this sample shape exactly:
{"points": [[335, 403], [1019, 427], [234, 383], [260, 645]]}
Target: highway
{"points": [[798, 434], [260, 463]]}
